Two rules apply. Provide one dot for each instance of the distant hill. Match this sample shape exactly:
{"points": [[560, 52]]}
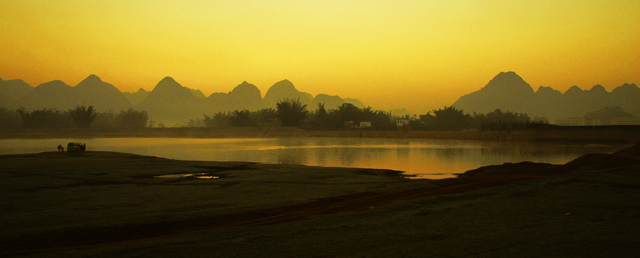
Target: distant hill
{"points": [[506, 91], [8, 102], [90, 92], [11, 91], [197, 93], [15, 89], [546, 101], [103, 96], [53, 95], [285, 90], [509, 92], [136, 97], [171, 103], [354, 102], [244, 96], [627, 97], [330, 102]]}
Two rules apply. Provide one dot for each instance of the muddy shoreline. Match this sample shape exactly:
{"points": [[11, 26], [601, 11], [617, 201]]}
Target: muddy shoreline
{"points": [[629, 134], [101, 204]]}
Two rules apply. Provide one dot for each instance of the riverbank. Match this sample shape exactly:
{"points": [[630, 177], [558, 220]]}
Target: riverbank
{"points": [[105, 204], [629, 134]]}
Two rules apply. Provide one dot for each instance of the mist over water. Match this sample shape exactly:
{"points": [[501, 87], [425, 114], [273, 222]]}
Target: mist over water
{"points": [[425, 158]]}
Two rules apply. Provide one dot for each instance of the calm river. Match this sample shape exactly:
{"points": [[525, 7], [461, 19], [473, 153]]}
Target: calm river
{"points": [[423, 158]]}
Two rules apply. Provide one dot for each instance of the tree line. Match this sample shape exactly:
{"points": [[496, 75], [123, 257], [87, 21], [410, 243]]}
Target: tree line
{"points": [[347, 116], [80, 117], [453, 119], [288, 112]]}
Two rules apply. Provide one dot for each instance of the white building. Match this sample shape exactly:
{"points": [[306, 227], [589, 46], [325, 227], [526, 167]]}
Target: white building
{"points": [[402, 122]]}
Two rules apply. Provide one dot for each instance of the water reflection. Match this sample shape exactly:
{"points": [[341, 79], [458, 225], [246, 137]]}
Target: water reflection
{"points": [[421, 157], [194, 175], [292, 156]]}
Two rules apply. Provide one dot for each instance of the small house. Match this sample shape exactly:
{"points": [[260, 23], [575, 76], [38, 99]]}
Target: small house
{"points": [[402, 122]]}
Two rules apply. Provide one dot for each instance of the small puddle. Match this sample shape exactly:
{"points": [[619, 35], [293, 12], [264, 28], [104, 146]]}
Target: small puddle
{"points": [[194, 175]]}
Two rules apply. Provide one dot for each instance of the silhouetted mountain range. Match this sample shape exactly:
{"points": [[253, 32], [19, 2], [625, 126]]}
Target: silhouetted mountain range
{"points": [[58, 95], [509, 92], [168, 102], [171, 103]]}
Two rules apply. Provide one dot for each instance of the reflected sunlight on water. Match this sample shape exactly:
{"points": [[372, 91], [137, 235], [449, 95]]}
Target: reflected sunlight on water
{"points": [[423, 158], [194, 175]]}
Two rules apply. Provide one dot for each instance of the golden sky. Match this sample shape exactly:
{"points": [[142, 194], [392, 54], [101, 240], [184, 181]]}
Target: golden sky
{"points": [[421, 55]]}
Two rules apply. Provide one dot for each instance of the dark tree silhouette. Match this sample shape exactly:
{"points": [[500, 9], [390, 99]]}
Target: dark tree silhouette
{"points": [[265, 116], [133, 119], [105, 120], [220, 119], [44, 118], [241, 118], [451, 119], [83, 116], [497, 116], [378, 118], [336, 118], [320, 119], [9, 119], [345, 113], [291, 112]]}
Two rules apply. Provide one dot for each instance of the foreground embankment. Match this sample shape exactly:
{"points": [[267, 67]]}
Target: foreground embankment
{"points": [[106, 204], [592, 134]]}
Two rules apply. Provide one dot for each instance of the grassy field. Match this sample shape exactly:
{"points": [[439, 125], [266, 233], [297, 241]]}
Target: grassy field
{"points": [[105, 204]]}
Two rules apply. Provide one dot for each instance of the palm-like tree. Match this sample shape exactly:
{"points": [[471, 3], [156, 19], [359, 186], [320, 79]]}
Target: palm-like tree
{"points": [[83, 116], [452, 119], [132, 118], [291, 112]]}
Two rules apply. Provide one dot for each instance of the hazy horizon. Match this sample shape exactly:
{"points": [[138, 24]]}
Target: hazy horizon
{"points": [[419, 55]]}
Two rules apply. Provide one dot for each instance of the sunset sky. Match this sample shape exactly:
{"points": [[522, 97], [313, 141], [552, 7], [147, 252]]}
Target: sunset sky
{"points": [[421, 55]]}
